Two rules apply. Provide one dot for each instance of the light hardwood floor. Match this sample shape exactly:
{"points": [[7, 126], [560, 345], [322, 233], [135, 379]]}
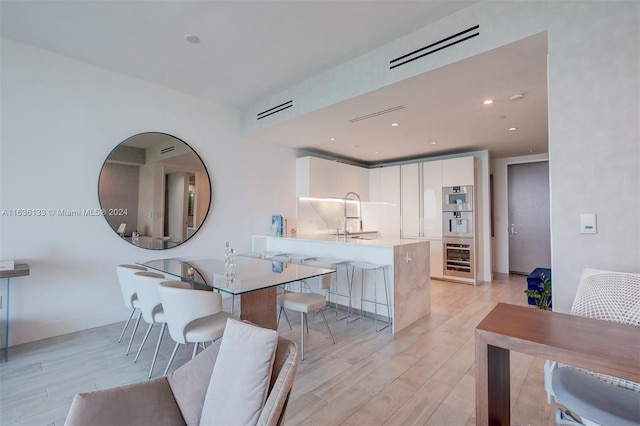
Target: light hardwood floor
{"points": [[421, 376]]}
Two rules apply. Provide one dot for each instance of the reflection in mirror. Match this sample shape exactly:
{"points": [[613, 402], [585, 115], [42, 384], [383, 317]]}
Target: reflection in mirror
{"points": [[156, 188]]}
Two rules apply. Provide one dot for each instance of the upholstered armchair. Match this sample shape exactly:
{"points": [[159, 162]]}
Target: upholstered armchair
{"points": [[186, 396]]}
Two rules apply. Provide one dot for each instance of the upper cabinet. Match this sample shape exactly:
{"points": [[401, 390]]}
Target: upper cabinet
{"points": [[320, 178], [421, 201], [458, 171], [421, 195]]}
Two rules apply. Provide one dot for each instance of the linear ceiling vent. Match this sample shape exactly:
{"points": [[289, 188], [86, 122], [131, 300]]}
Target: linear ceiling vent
{"points": [[435, 47], [167, 150], [275, 109], [375, 114]]}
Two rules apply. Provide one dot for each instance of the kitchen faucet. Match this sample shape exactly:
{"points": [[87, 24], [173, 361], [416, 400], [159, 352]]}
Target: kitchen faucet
{"points": [[346, 197]]}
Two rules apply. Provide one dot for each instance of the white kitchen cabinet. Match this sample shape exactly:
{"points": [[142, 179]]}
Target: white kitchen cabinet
{"points": [[384, 184], [320, 178], [432, 199], [421, 199], [436, 258], [410, 200], [458, 171]]}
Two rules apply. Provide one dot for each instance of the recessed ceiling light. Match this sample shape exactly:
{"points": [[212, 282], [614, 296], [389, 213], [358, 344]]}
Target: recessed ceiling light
{"points": [[377, 152], [332, 139], [192, 38], [517, 96], [434, 143], [394, 124], [511, 129], [488, 102]]}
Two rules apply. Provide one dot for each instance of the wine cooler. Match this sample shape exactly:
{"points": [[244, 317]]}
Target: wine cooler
{"points": [[459, 257]]}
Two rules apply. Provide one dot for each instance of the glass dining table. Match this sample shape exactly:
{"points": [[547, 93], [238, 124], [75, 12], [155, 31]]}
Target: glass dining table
{"points": [[255, 281]]}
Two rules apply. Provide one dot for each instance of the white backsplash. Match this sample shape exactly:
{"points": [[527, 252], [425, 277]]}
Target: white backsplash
{"points": [[326, 216]]}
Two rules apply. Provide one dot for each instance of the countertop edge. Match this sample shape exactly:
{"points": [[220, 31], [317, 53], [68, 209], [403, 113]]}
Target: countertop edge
{"points": [[378, 242]]}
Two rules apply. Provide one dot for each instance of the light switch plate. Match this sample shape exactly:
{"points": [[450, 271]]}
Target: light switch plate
{"points": [[588, 223]]}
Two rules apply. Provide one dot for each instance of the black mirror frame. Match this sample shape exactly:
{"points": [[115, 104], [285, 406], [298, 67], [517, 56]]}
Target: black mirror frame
{"points": [[173, 245]]}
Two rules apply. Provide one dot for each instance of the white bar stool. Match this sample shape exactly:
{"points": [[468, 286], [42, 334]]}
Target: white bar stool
{"points": [[334, 289], [364, 267], [309, 299]]}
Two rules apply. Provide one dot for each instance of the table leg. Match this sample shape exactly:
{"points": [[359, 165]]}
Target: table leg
{"points": [[6, 330], [260, 307], [493, 392]]}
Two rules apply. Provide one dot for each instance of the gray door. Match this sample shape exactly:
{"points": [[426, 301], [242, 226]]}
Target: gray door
{"points": [[529, 225]]}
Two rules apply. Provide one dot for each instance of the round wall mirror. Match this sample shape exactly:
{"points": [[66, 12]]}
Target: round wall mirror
{"points": [[154, 190]]}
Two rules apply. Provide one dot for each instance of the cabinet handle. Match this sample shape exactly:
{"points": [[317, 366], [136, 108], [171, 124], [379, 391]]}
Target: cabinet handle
{"points": [[407, 258]]}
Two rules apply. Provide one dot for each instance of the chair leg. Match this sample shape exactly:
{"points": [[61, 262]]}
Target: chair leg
{"points": [[362, 276], [173, 354], [195, 350], [302, 316], [361, 292], [135, 327], [126, 324], [386, 295], [155, 354], [144, 340], [375, 298], [327, 324], [567, 418], [282, 310], [349, 290]]}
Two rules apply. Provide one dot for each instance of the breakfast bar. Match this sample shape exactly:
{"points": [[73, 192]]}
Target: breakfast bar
{"points": [[405, 261]]}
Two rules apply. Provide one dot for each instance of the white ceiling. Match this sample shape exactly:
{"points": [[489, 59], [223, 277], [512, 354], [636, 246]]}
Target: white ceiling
{"points": [[443, 106], [253, 49]]}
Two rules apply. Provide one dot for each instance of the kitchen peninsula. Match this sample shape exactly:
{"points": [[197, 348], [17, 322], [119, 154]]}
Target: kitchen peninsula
{"points": [[407, 269]]}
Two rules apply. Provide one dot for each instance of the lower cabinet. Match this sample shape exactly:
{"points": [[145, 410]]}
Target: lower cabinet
{"points": [[436, 258]]}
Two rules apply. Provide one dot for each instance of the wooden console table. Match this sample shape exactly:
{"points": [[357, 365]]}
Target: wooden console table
{"points": [[597, 345], [20, 270]]}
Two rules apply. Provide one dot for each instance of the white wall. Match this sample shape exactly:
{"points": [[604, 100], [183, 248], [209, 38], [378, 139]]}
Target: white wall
{"points": [[60, 119], [594, 140], [594, 104]]}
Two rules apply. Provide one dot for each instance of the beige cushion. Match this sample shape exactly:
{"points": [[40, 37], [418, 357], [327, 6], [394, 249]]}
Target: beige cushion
{"points": [[241, 375], [285, 366], [189, 383], [302, 302]]}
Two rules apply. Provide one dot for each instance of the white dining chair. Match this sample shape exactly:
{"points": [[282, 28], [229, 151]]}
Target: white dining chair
{"points": [[147, 285], [125, 278], [192, 316], [592, 398]]}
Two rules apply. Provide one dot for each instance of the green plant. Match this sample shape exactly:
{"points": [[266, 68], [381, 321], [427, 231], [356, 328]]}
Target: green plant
{"points": [[543, 294]]}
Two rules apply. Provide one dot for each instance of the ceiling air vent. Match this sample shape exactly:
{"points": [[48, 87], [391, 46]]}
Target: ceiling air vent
{"points": [[167, 150], [435, 47], [275, 109], [375, 114]]}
